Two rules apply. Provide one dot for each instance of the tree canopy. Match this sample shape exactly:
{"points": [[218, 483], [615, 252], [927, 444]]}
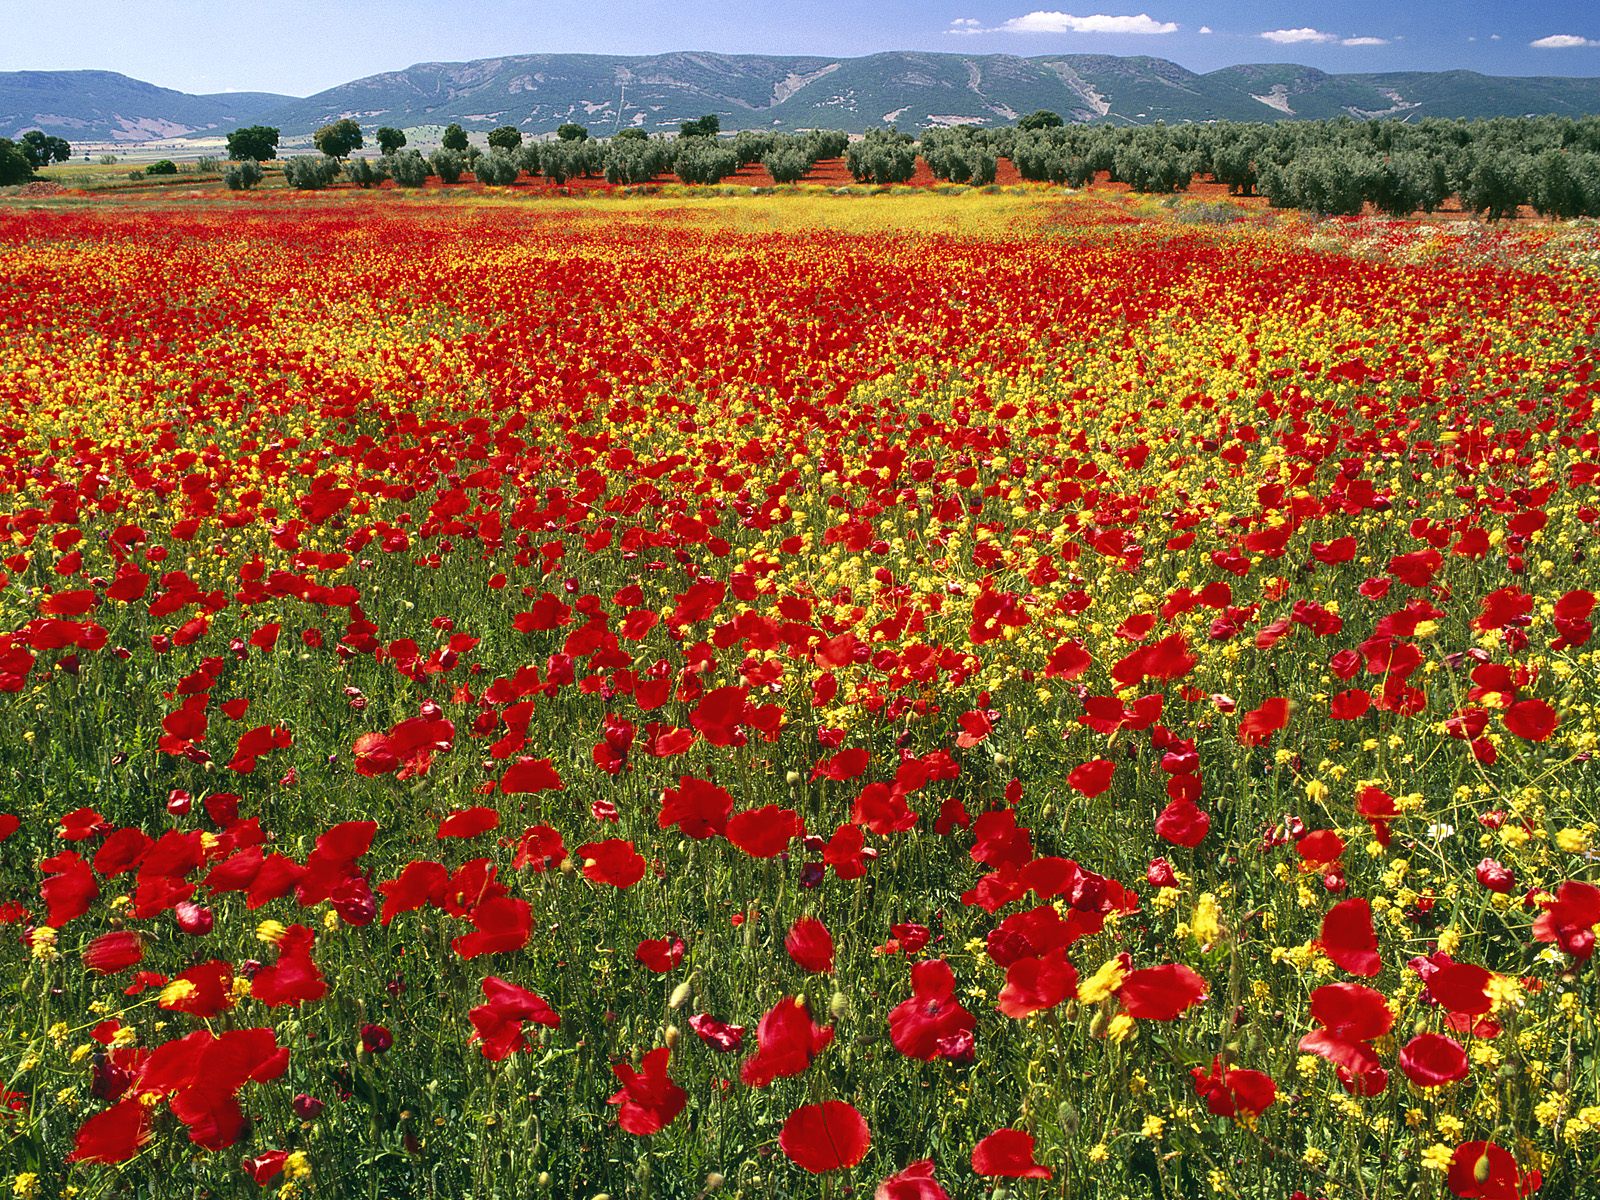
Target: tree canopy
{"points": [[41, 149], [390, 139], [338, 139], [707, 126], [507, 138], [258, 142], [455, 138]]}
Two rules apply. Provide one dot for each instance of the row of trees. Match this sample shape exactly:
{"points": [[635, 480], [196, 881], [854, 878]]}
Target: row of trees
{"points": [[1333, 167], [1327, 167], [21, 159], [697, 156]]}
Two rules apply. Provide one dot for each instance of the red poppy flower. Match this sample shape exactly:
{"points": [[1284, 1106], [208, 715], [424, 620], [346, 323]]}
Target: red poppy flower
{"points": [[69, 888], [1257, 726], [1432, 1060], [202, 991], [500, 925], [1568, 920], [1008, 1153], [765, 832], [1348, 938], [1183, 824], [529, 776], [786, 1041], [916, 1182], [1351, 1016], [845, 765], [1531, 720], [649, 1099], [699, 809], [659, 954], [1232, 1091], [1034, 984], [1093, 777], [468, 822], [498, 1023], [717, 1034], [613, 861], [418, 884], [113, 952], [810, 945], [1485, 1171], [114, 1135], [825, 1137], [295, 977], [932, 1023], [1161, 993]]}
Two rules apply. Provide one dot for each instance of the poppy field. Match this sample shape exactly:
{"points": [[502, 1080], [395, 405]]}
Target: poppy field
{"points": [[905, 696]]}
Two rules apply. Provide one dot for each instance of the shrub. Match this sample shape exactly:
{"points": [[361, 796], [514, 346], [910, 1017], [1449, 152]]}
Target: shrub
{"points": [[365, 172], [559, 161], [496, 169], [447, 165], [701, 159], [310, 172], [407, 168], [162, 166], [787, 164], [884, 156], [242, 176]]}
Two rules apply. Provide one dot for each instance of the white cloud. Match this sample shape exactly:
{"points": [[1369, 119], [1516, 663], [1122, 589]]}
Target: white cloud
{"points": [[1563, 41], [964, 23], [1060, 22], [1204, 29], [1289, 37], [1365, 41]]}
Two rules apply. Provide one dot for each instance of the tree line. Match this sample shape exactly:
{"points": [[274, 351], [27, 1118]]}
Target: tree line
{"points": [[1335, 167]]}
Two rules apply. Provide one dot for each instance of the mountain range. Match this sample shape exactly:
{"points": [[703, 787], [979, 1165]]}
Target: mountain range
{"points": [[538, 92]]}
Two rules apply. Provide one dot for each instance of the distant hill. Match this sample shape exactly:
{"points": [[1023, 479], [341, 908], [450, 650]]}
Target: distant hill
{"points": [[102, 106], [538, 92]]}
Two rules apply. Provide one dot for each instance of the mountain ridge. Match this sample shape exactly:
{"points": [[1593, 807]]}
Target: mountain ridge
{"points": [[538, 92]]}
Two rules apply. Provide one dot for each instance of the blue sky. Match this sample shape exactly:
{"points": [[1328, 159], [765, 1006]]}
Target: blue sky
{"points": [[303, 46]]}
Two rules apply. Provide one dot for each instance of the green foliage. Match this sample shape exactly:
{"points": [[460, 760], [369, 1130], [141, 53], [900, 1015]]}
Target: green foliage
{"points": [[704, 160], [960, 155], [258, 142], [630, 134], [310, 172], [338, 139], [634, 159], [507, 138], [571, 131], [162, 166], [447, 165], [1042, 119], [14, 165], [1494, 184], [559, 161], [390, 139], [883, 156], [365, 172], [407, 168], [454, 138], [496, 169], [242, 175], [41, 149], [707, 126], [787, 163]]}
